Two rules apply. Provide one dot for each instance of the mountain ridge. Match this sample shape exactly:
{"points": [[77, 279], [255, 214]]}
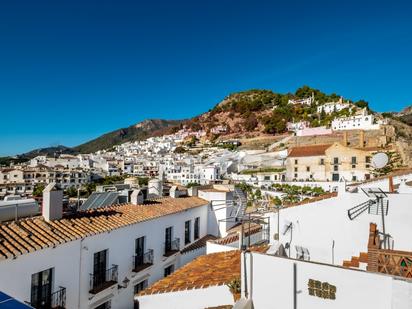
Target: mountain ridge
{"points": [[255, 111]]}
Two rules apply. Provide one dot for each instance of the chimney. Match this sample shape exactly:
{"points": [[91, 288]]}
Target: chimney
{"points": [[155, 187], [52, 203], [137, 197], [176, 193], [362, 139], [345, 138], [391, 187]]}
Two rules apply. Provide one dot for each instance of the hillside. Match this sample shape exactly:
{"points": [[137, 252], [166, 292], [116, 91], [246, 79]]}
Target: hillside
{"points": [[255, 112], [247, 114], [139, 131]]}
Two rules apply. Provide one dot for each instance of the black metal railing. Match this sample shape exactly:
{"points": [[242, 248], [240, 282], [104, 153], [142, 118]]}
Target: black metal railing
{"points": [[141, 261], [172, 246], [104, 279], [58, 298], [54, 300]]}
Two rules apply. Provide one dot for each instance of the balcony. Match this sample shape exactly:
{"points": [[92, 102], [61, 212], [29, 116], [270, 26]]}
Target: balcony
{"points": [[141, 262], [172, 247], [56, 300], [103, 280]]}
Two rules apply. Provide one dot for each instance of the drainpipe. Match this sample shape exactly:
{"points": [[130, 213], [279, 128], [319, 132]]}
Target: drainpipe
{"points": [[295, 290], [80, 272], [246, 274]]}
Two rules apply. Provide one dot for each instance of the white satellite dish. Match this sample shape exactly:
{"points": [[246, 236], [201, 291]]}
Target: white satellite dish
{"points": [[380, 160]]}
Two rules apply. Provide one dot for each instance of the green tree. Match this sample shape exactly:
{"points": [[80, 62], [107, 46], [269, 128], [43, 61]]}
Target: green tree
{"points": [[38, 190], [71, 192]]}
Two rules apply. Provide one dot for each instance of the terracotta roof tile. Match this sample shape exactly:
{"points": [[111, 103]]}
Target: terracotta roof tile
{"points": [[207, 270], [200, 243], [309, 151], [27, 235]]}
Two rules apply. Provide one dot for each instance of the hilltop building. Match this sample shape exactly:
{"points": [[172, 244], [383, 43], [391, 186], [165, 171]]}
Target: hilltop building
{"points": [[330, 162], [331, 107]]}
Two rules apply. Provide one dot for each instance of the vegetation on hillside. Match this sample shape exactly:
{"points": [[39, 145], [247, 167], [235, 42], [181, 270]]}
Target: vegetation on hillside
{"points": [[270, 110]]}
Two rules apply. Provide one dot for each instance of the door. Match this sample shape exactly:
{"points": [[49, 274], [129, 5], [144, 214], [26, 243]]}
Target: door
{"points": [[168, 239], [139, 248], [41, 289], [99, 268]]}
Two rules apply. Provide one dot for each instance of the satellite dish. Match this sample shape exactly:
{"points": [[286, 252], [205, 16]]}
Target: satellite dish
{"points": [[380, 160]]}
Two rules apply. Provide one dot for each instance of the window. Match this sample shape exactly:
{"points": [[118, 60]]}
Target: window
{"points": [[368, 159], [266, 178], [169, 270], [197, 228], [353, 160], [335, 168], [296, 169], [335, 160], [187, 232], [296, 175], [139, 251], [99, 268], [354, 178], [168, 239], [296, 161], [140, 286], [308, 168], [322, 161], [41, 289]]}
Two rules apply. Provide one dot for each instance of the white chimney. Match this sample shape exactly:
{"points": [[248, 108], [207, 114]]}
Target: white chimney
{"points": [[174, 192], [52, 203], [137, 197]]}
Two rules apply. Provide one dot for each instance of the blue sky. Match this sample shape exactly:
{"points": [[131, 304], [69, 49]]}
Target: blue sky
{"points": [[72, 70]]}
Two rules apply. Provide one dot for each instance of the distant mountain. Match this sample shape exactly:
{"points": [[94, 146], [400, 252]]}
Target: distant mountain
{"points": [[242, 114], [48, 151], [139, 131], [406, 115]]}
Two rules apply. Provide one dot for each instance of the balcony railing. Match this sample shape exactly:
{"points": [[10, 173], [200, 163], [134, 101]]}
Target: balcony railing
{"points": [[142, 261], [103, 280], [56, 300], [171, 247]]}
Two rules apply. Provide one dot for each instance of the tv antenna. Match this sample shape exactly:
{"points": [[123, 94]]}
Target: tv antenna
{"points": [[376, 205]]}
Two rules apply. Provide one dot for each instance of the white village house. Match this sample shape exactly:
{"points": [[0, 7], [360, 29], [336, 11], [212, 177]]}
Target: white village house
{"points": [[100, 258]]}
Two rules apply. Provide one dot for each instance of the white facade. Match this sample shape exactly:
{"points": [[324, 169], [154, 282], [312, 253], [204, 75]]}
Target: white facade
{"points": [[331, 107], [357, 122], [270, 281], [72, 262]]}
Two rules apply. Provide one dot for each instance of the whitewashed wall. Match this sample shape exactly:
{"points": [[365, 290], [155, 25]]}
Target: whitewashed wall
{"points": [[317, 225], [189, 299], [76, 257], [272, 286]]}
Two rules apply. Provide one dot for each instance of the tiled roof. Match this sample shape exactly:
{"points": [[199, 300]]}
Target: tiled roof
{"points": [[309, 151], [28, 235], [207, 270], [233, 234], [198, 244]]}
